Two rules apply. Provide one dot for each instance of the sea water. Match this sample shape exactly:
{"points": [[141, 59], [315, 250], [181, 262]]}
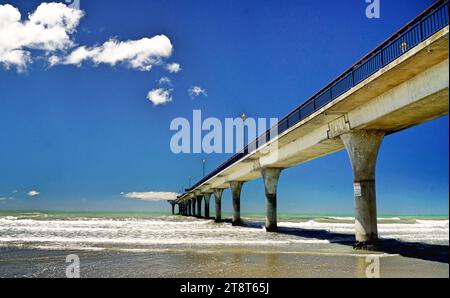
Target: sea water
{"points": [[36, 244]]}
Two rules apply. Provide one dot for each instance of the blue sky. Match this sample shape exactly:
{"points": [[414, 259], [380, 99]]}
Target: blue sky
{"points": [[81, 135]]}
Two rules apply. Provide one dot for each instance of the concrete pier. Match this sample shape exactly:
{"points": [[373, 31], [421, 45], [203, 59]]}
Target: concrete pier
{"points": [[270, 178], [218, 202], [199, 206], [188, 208], [236, 187], [404, 91], [363, 147], [207, 199]]}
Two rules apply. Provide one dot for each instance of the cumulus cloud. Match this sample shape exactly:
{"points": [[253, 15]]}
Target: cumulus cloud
{"points": [[47, 29], [33, 193], [173, 67], [197, 91], [151, 196], [160, 96], [140, 54], [50, 29]]}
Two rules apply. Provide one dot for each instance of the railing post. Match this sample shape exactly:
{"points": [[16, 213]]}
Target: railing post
{"points": [[421, 30], [353, 77]]}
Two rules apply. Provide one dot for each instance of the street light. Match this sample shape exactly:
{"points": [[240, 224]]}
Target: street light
{"points": [[204, 163], [244, 118]]}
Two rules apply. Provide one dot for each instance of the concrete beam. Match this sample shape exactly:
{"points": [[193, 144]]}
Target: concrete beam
{"points": [[381, 112], [220, 182], [244, 169], [363, 147]]}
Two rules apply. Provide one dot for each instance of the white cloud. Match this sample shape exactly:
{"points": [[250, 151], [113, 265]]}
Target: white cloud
{"points": [[159, 96], [6, 199], [53, 60], [33, 193], [173, 67], [48, 29], [139, 54], [165, 81], [151, 196], [197, 91]]}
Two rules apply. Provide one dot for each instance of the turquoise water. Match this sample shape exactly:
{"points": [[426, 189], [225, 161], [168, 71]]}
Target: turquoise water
{"points": [[256, 215]]}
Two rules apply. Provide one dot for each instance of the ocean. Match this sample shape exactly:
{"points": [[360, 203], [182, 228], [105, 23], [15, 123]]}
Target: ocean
{"points": [[34, 244]]}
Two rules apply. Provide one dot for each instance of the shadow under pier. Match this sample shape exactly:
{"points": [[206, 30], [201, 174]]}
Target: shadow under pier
{"points": [[423, 251]]}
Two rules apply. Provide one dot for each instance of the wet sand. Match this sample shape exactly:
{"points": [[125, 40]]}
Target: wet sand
{"points": [[228, 263]]}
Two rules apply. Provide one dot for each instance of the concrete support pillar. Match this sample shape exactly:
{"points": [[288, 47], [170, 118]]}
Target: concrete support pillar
{"points": [[199, 206], [218, 199], [193, 212], [236, 187], [362, 147], [270, 177], [173, 208], [207, 199]]}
